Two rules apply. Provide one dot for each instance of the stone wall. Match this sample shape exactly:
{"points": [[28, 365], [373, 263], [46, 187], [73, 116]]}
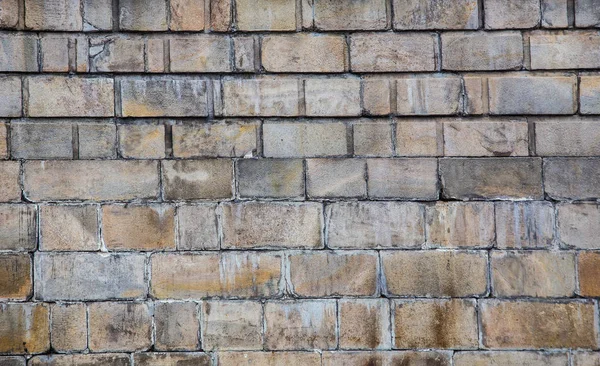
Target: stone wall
{"points": [[299, 182]]}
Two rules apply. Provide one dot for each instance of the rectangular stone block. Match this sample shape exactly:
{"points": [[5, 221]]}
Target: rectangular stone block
{"points": [[387, 52], [120, 326], [172, 359], [372, 138], [362, 225], [13, 360], [97, 180], [116, 54], [205, 53], [142, 141], [70, 227], [41, 140], [245, 50], [225, 275], [298, 325], [482, 51], [529, 324], [578, 225], [376, 96], [268, 358], [336, 178], [570, 50], [589, 94], [435, 273], [10, 96], [296, 53], [197, 227], [460, 224], [265, 15], [89, 276], [187, 15], [15, 277], [582, 358], [97, 141], [139, 228], [149, 15], [97, 15], [332, 97], [177, 326], [587, 13], [364, 324], [492, 178], [57, 15], [572, 178], [226, 139], [588, 270], [3, 140], [59, 96], [555, 13], [403, 178], [232, 325], [55, 53], [440, 324], [9, 16], [489, 358], [351, 15], [503, 14], [174, 97], [567, 136], [10, 190], [425, 14], [24, 328], [419, 138], [320, 274], [272, 225], [524, 225], [533, 273], [114, 359], [341, 358], [18, 231], [275, 178], [69, 327], [287, 140], [428, 96], [531, 94], [19, 52], [265, 96], [486, 137], [197, 179]]}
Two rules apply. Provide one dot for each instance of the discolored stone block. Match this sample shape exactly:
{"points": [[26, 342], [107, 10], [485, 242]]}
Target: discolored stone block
{"points": [[64, 228], [10, 96], [295, 53], [502, 14], [119, 326], [588, 265], [177, 326], [172, 359], [197, 179], [58, 15], [205, 53], [572, 178], [489, 358], [268, 358], [386, 52], [402, 178], [41, 140], [187, 15], [15, 277], [297, 139], [232, 325], [24, 328], [421, 96], [482, 51], [524, 225], [143, 16], [373, 139], [336, 178], [427, 14], [114, 359], [142, 141], [228, 139], [486, 137], [256, 15], [18, 52], [578, 225], [458, 224], [265, 96], [277, 178], [350, 15], [332, 97], [18, 231], [69, 327], [116, 54], [197, 227], [419, 138], [364, 324], [10, 190]]}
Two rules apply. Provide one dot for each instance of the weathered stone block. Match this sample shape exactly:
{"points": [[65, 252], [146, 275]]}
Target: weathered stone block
{"points": [[187, 15], [177, 326], [256, 15], [361, 225], [287, 140], [573, 50], [332, 97], [197, 179], [403, 178], [428, 96], [589, 94], [373, 139], [482, 51], [116, 54], [64, 228], [486, 137], [399, 52], [533, 273], [9, 14], [91, 180], [300, 324], [419, 138], [97, 15], [58, 15], [69, 327], [587, 13], [231, 274], [142, 141], [89, 276], [245, 50], [492, 178], [10, 190], [489, 358], [272, 225], [205, 53], [350, 15], [15, 277], [524, 225], [555, 14], [458, 224], [572, 178], [318, 274], [24, 328], [268, 358], [172, 359], [435, 273], [435, 324], [174, 97], [266, 96], [427, 14], [296, 53], [55, 53], [229, 139], [578, 225], [197, 227], [90, 359], [10, 96], [3, 140], [376, 96], [13, 360], [503, 14], [59, 96], [97, 141], [41, 140], [149, 15], [364, 324], [529, 324], [567, 137], [19, 52], [276, 178], [18, 231], [120, 326], [588, 265], [582, 358], [336, 178], [232, 325]]}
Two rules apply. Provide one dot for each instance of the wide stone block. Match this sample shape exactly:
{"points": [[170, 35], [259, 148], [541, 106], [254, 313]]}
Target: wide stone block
{"points": [[336, 178], [228, 139], [524, 225], [197, 179], [265, 15], [90, 359], [142, 141], [206, 53], [57, 15], [276, 178], [300, 53], [492, 178], [427, 14], [578, 225], [232, 325], [120, 326], [503, 14], [268, 358], [172, 359], [460, 224], [332, 97], [89, 276], [403, 178], [568, 136], [297, 139], [489, 358], [572, 178], [265, 96], [570, 50], [150, 15], [422, 96], [486, 137], [41, 140], [116, 54], [341, 358], [351, 15], [482, 51]]}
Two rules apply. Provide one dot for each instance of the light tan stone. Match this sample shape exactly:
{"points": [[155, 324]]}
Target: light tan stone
{"points": [[69, 327], [232, 325], [457, 224], [197, 179], [119, 326], [228, 139], [419, 138], [486, 137], [387, 52], [142, 141], [266, 15], [205, 53], [299, 53], [64, 228], [403, 178], [427, 14], [525, 225], [364, 324], [265, 96], [332, 97], [187, 15]]}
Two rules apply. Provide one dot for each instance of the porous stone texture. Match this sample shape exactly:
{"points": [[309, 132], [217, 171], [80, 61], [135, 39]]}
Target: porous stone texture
{"points": [[299, 182]]}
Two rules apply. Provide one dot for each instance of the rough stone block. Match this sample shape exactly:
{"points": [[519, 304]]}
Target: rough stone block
{"points": [[197, 227], [120, 326], [197, 179], [403, 178], [55, 53], [9, 14], [555, 14], [97, 141], [41, 140], [587, 13], [172, 359], [572, 50], [187, 15], [486, 137], [228, 139], [458, 224], [572, 178], [427, 14], [373, 139], [364, 324], [298, 139], [489, 358], [482, 51], [336, 178], [142, 141], [10, 96], [524, 225], [232, 325], [15, 277], [150, 15], [69, 327], [503, 14], [579, 225], [419, 138], [589, 94], [10, 190], [266, 96], [588, 265], [296, 53], [177, 326], [268, 358], [57, 15], [18, 231], [332, 97], [275, 178], [205, 53], [350, 15], [265, 15], [65, 228], [376, 96], [97, 15], [24, 328], [387, 52], [90, 359], [567, 137], [19, 52], [428, 96]]}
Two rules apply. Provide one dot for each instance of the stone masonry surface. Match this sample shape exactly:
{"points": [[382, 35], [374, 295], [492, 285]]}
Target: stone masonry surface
{"points": [[299, 182]]}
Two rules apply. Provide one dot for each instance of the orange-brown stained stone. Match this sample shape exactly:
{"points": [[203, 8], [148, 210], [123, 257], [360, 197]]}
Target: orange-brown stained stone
{"points": [[15, 276], [24, 328]]}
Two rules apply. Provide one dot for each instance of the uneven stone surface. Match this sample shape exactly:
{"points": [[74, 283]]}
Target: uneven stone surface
{"points": [[69, 327], [24, 328], [15, 276], [232, 325], [572, 178], [177, 326], [482, 51], [119, 326], [197, 179], [509, 358], [294, 53], [425, 14], [364, 324], [457, 224]]}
